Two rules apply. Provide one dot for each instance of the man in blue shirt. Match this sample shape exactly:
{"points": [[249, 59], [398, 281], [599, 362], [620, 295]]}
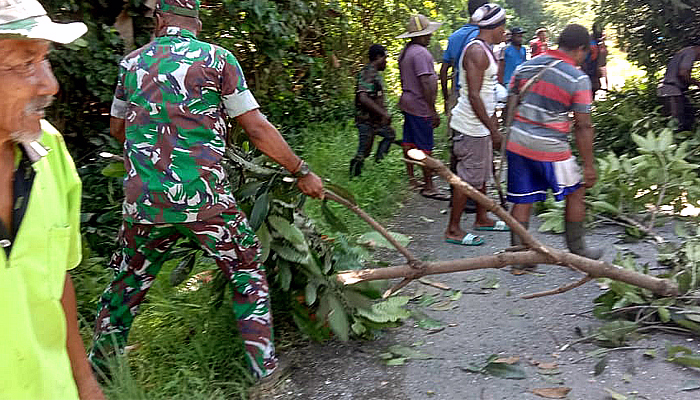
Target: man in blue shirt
{"points": [[450, 59], [513, 55]]}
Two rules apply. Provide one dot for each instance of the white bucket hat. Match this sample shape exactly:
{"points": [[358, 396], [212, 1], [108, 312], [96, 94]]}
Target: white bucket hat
{"points": [[28, 19], [419, 25]]}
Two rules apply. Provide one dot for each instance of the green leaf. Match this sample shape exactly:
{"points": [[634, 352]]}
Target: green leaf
{"points": [[505, 371], [390, 310], [690, 385], [289, 253], [360, 329], [664, 314], [425, 322], [375, 239], [409, 353], [614, 395], [183, 269], [310, 293], [600, 366], [265, 239], [338, 318], [286, 229], [396, 361], [604, 206], [284, 275], [333, 221], [247, 190], [114, 170], [260, 210]]}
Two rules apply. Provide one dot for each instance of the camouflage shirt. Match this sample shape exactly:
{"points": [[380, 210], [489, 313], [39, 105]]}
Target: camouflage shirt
{"points": [[174, 94], [369, 81]]}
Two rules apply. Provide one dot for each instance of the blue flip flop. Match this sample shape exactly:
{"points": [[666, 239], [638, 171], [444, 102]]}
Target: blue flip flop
{"points": [[469, 239], [498, 226]]}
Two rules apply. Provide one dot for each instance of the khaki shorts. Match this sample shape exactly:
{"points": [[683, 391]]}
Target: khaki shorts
{"points": [[474, 158]]}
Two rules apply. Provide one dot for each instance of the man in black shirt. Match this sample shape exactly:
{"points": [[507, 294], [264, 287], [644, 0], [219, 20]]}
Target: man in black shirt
{"points": [[673, 88]]}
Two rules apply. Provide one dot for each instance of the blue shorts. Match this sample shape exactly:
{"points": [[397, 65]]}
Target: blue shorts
{"points": [[417, 132], [529, 180]]}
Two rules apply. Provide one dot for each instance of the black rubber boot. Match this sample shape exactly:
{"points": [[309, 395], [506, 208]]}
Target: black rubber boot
{"points": [[575, 232], [515, 240], [356, 167]]}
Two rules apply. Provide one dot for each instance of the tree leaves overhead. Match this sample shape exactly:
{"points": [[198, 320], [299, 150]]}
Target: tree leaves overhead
{"points": [[651, 31]]}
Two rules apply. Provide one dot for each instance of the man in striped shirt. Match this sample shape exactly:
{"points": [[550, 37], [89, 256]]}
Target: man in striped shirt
{"points": [[539, 155]]}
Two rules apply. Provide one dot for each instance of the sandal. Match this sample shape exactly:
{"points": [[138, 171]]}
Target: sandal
{"points": [[498, 226], [469, 239]]}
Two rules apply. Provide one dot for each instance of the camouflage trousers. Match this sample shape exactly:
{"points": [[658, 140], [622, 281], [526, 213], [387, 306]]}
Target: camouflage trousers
{"points": [[230, 241]]}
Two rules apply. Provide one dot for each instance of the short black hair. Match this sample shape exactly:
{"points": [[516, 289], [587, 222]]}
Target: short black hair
{"points": [[376, 51], [474, 5], [574, 36]]}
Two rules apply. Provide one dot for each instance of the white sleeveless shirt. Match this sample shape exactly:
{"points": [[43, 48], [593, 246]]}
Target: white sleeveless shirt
{"points": [[464, 120]]}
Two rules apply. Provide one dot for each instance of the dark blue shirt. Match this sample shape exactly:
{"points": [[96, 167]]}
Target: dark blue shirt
{"points": [[512, 58]]}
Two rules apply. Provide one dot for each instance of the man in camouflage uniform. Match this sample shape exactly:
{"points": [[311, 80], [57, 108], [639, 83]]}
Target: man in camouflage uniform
{"points": [[169, 110], [371, 116]]}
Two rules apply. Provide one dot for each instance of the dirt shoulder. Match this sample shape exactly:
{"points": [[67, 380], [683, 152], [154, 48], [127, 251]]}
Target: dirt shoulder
{"points": [[489, 317]]}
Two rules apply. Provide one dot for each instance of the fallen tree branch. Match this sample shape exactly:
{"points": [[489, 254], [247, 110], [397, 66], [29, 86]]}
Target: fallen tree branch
{"points": [[642, 228], [593, 268], [539, 253]]}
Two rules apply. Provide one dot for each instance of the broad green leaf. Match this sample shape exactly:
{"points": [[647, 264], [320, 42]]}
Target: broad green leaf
{"points": [[249, 189], [375, 239], [338, 318], [505, 371], [409, 353], [265, 239], [600, 366], [360, 329], [425, 322], [114, 170], [690, 385], [664, 314], [289, 253], [333, 221], [603, 206], [286, 229], [396, 361], [310, 293], [614, 395], [284, 275], [260, 210]]}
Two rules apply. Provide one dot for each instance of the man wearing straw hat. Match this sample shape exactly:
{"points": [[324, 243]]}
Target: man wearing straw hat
{"points": [[41, 351], [417, 102]]}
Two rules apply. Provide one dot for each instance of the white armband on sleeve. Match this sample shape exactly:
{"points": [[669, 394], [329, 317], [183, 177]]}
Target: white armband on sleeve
{"points": [[118, 108], [240, 103]]}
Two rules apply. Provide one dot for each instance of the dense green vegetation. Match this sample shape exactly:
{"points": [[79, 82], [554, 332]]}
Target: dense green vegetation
{"points": [[300, 58]]}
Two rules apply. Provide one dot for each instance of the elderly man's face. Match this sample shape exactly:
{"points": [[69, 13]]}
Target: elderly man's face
{"points": [[27, 88]]}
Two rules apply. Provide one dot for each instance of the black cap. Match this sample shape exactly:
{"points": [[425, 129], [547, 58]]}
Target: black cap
{"points": [[517, 30]]}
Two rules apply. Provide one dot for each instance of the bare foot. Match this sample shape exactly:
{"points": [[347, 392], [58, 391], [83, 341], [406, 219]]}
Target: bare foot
{"points": [[455, 234], [486, 222]]}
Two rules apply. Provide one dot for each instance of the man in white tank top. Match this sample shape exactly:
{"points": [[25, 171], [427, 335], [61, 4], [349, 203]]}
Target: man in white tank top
{"points": [[474, 122]]}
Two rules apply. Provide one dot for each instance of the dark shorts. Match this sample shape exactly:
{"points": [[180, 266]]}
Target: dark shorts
{"points": [[417, 132], [529, 180]]}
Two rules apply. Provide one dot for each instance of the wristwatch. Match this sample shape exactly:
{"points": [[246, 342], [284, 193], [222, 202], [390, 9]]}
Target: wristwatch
{"points": [[302, 171]]}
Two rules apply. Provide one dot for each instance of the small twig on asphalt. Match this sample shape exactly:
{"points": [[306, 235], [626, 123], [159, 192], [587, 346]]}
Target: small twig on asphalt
{"points": [[560, 289], [397, 287]]}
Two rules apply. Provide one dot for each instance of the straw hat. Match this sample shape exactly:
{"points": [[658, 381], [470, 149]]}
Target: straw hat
{"points": [[419, 25]]}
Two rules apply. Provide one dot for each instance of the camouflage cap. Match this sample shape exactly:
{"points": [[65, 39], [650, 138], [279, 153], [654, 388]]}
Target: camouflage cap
{"points": [[186, 8], [27, 19]]}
